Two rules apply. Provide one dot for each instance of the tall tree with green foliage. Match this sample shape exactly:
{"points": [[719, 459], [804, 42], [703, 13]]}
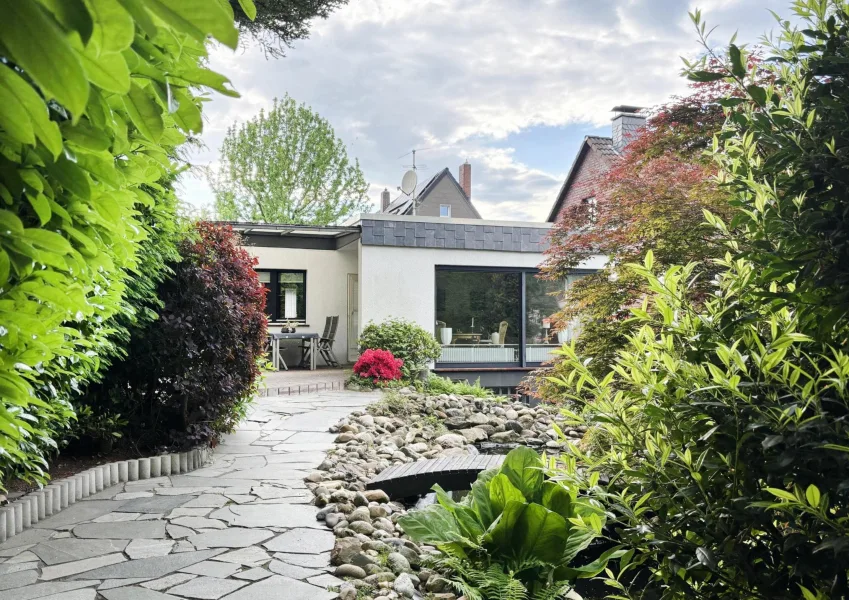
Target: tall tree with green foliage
{"points": [[726, 422], [279, 23], [97, 95], [287, 166]]}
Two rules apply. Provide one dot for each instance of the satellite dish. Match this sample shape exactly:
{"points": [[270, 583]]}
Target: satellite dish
{"points": [[408, 182]]}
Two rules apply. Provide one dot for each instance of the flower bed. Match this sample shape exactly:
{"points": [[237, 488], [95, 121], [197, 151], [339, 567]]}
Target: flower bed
{"points": [[374, 556]]}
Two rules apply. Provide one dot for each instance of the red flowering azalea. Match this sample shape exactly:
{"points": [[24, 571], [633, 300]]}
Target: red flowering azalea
{"points": [[378, 365]]}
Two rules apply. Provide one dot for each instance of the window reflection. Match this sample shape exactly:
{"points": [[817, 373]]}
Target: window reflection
{"points": [[478, 316]]}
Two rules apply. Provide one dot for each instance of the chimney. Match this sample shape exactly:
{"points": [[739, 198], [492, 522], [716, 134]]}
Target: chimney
{"points": [[466, 179], [384, 200], [627, 120]]}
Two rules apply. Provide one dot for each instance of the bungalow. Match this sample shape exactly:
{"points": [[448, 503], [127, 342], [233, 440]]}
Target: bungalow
{"points": [[472, 282]]}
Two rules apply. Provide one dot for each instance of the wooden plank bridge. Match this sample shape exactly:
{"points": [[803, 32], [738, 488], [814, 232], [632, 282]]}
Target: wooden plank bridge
{"points": [[414, 479]]}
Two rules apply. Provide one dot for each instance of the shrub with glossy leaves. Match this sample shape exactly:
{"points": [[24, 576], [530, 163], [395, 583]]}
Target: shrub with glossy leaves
{"points": [[378, 365], [187, 375], [727, 423], [96, 97], [405, 340]]}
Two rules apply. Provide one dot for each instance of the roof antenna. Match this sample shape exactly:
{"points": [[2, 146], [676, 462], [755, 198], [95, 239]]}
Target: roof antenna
{"points": [[410, 180]]}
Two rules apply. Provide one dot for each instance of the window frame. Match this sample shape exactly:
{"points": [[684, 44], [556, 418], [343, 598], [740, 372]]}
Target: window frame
{"points": [[272, 300], [441, 206], [524, 273], [590, 204]]}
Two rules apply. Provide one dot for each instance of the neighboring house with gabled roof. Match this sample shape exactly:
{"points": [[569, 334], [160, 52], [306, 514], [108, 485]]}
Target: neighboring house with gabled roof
{"points": [[441, 196], [595, 157]]}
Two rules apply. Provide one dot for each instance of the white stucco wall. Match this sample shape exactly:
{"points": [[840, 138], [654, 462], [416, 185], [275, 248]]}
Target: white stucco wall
{"points": [[327, 287], [401, 282]]}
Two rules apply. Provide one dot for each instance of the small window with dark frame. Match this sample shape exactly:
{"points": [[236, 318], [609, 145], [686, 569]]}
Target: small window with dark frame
{"points": [[287, 294], [445, 210]]}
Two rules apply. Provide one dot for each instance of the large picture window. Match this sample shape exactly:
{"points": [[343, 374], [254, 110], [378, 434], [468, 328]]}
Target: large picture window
{"points": [[498, 316], [287, 294]]}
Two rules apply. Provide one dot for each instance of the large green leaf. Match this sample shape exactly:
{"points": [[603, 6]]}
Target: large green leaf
{"points": [[591, 569], [540, 534], [198, 18], [480, 500], [114, 29], [466, 518], [145, 112], [14, 88], [523, 467], [36, 43], [72, 15], [557, 498], [15, 120], [500, 533], [108, 71], [431, 525], [501, 491]]}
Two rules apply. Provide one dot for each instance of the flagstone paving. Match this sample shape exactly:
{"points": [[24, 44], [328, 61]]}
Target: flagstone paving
{"points": [[239, 528]]}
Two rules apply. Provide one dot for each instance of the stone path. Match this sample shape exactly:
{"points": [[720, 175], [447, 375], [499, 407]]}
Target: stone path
{"points": [[239, 528]]}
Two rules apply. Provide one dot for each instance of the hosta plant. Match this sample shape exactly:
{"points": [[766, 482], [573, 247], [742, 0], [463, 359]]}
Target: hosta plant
{"points": [[517, 534]]}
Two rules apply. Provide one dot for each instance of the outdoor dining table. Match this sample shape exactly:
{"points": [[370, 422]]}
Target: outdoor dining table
{"points": [[275, 347]]}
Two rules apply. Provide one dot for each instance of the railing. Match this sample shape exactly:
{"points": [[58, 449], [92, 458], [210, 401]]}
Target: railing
{"points": [[538, 353], [479, 353]]}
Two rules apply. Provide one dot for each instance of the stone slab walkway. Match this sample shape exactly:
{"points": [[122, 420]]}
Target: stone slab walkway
{"points": [[239, 528]]}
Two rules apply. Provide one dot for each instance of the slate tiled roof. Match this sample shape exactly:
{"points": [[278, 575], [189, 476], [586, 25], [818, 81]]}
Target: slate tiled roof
{"points": [[603, 145]]}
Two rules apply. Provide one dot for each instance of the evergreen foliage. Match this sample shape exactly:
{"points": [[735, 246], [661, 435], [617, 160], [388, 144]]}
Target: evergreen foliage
{"points": [[97, 95], [726, 420]]}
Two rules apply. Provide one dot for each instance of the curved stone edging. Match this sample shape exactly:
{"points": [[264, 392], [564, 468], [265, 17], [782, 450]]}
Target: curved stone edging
{"points": [[29, 509]]}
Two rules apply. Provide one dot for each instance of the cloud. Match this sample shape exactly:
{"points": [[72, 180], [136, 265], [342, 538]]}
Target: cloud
{"points": [[462, 77]]}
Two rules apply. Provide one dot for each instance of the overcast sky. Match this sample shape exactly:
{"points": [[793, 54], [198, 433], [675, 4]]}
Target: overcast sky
{"points": [[512, 86]]}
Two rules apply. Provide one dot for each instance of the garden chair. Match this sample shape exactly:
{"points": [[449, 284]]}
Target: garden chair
{"points": [[306, 345], [502, 332], [325, 343]]}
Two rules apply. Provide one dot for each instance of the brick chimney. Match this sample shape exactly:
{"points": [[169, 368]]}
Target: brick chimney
{"points": [[384, 200], [627, 121], [466, 179]]}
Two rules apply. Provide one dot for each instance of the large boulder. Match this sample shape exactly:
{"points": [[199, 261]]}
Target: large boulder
{"points": [[473, 434]]}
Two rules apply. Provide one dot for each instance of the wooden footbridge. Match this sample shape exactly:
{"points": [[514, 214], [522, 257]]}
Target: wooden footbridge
{"points": [[414, 479]]}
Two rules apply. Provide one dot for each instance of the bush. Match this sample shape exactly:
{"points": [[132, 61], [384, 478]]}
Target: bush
{"points": [[87, 134], [405, 340], [379, 366], [727, 422], [516, 535], [187, 376], [442, 385]]}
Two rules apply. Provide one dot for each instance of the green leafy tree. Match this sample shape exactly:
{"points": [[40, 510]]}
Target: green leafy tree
{"points": [[97, 94], [287, 166], [726, 421], [279, 23]]}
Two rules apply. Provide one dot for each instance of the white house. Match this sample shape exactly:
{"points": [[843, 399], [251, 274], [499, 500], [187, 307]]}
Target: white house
{"points": [[472, 282]]}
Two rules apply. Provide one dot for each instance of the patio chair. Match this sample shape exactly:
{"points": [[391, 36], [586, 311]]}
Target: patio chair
{"points": [[325, 343], [306, 345], [502, 332]]}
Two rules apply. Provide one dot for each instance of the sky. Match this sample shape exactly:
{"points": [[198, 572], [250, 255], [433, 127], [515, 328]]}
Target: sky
{"points": [[512, 86]]}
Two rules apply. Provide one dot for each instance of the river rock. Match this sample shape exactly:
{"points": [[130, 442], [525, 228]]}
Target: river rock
{"points": [[451, 440], [347, 591], [345, 550], [398, 563], [376, 496], [404, 586], [473, 434], [361, 527], [504, 437], [348, 570]]}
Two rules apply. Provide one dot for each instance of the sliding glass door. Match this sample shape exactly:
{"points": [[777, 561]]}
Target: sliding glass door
{"points": [[498, 317], [478, 316]]}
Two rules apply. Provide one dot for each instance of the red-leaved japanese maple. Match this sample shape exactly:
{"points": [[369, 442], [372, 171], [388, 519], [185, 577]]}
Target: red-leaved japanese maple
{"points": [[378, 365]]}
